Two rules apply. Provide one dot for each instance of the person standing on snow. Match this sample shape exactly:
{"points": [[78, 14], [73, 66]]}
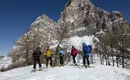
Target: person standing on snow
{"points": [[74, 53], [87, 49], [36, 58], [61, 54], [48, 55]]}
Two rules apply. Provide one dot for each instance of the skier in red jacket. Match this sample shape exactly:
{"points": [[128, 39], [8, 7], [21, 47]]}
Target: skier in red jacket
{"points": [[74, 53]]}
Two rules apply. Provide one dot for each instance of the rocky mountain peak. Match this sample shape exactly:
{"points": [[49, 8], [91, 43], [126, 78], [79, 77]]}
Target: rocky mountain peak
{"points": [[43, 19], [82, 13], [76, 3], [44, 22]]}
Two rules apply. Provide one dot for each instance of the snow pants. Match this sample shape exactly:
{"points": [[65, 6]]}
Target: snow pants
{"points": [[47, 60], [84, 59], [62, 60], [35, 62], [74, 56]]}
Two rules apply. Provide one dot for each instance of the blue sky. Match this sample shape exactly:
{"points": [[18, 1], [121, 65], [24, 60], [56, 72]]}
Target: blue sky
{"points": [[17, 15]]}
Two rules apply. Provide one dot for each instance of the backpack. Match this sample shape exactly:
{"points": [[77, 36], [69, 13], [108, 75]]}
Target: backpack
{"points": [[74, 51], [88, 48], [61, 52]]}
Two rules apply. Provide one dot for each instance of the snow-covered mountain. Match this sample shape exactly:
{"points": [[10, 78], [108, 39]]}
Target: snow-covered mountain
{"points": [[43, 32], [43, 28], [97, 72], [79, 18]]}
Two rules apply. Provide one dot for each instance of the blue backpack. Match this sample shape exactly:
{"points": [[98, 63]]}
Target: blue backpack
{"points": [[88, 48]]}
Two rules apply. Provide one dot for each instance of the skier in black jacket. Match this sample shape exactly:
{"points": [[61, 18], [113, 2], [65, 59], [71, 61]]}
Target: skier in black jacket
{"points": [[36, 58]]}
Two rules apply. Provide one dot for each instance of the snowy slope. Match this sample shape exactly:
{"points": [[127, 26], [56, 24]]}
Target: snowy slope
{"points": [[5, 62], [68, 73]]}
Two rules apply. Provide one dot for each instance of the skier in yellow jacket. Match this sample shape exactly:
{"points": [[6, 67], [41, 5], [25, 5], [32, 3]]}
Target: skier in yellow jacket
{"points": [[48, 55]]}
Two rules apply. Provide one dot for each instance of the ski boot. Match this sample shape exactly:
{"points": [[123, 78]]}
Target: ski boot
{"points": [[88, 66], [40, 69], [46, 66], [85, 65], [60, 65], [51, 66], [76, 64], [34, 70]]}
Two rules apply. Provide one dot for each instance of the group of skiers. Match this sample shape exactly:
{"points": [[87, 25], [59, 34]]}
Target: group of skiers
{"points": [[87, 49]]}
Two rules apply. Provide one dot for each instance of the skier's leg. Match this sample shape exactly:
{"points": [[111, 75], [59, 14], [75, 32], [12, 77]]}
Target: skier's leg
{"points": [[73, 59], [47, 62], [50, 60], [34, 65], [62, 60], [84, 60], [39, 62], [88, 62]]}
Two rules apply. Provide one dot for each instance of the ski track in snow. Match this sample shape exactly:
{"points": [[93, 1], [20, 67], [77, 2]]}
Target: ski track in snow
{"points": [[68, 73]]}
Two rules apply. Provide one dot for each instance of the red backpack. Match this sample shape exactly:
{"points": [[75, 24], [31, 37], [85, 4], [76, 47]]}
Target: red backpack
{"points": [[74, 52]]}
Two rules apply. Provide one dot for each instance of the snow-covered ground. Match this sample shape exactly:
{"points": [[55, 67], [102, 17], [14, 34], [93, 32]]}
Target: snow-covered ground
{"points": [[98, 72]]}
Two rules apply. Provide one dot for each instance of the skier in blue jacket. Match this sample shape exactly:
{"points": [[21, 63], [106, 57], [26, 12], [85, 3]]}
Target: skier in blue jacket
{"points": [[87, 49], [61, 54]]}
